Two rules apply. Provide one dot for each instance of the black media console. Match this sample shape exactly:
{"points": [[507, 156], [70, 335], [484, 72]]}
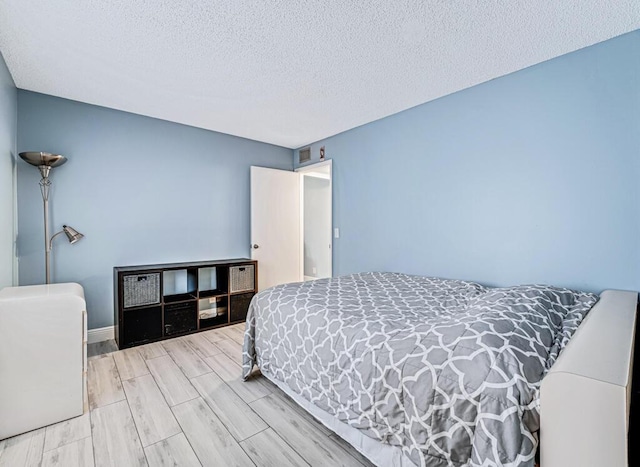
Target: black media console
{"points": [[161, 301]]}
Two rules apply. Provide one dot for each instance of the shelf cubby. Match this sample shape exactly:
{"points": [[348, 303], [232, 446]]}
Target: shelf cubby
{"points": [[213, 281], [239, 306], [142, 324], [180, 318], [213, 311], [179, 285]]}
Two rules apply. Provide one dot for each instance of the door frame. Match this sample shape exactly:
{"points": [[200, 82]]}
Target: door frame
{"points": [[301, 171]]}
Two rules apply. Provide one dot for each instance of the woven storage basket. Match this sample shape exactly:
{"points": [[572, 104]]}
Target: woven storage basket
{"points": [[141, 289], [241, 279]]}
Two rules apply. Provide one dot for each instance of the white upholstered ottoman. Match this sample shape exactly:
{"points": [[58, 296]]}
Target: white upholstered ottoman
{"points": [[43, 333]]}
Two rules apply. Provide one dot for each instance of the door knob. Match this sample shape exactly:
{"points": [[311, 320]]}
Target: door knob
{"points": [[256, 246]]}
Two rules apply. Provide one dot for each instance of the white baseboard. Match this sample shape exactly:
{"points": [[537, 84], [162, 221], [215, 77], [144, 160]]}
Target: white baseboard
{"points": [[100, 334]]}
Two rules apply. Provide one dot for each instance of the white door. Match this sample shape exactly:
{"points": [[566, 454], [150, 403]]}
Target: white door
{"points": [[275, 226]]}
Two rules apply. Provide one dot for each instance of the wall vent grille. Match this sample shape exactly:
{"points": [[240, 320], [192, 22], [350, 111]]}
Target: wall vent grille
{"points": [[305, 155]]}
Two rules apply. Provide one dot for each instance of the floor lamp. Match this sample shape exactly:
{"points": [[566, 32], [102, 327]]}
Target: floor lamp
{"points": [[45, 161]]}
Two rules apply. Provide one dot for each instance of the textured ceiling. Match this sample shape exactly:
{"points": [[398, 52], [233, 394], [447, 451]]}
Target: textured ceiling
{"points": [[287, 72]]}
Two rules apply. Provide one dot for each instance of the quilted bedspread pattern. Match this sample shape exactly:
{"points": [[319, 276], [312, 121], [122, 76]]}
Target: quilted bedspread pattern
{"points": [[447, 370]]}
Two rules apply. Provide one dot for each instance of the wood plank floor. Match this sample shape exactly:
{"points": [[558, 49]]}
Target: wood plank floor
{"points": [[181, 402]]}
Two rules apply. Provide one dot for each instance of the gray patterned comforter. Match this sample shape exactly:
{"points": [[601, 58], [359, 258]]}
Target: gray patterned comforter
{"points": [[447, 370]]}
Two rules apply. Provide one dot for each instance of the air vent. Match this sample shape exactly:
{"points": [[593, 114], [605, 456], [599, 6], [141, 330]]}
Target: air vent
{"points": [[305, 155]]}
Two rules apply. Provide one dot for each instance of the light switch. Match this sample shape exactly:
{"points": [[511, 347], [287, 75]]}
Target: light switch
{"points": [[336, 233]]}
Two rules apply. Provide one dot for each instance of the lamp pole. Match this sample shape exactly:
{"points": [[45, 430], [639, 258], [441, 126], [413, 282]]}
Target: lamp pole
{"points": [[45, 185]]}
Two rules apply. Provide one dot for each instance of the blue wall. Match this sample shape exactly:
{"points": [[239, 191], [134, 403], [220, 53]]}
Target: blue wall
{"points": [[141, 190], [532, 177], [8, 121]]}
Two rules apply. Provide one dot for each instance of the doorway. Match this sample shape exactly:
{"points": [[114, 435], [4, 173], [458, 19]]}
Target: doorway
{"points": [[316, 220]]}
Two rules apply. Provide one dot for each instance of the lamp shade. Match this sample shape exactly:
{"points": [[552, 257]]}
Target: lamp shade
{"points": [[43, 158], [72, 234], [44, 161]]}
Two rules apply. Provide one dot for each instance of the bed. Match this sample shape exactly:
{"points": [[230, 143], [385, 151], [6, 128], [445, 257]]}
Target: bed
{"points": [[416, 371]]}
